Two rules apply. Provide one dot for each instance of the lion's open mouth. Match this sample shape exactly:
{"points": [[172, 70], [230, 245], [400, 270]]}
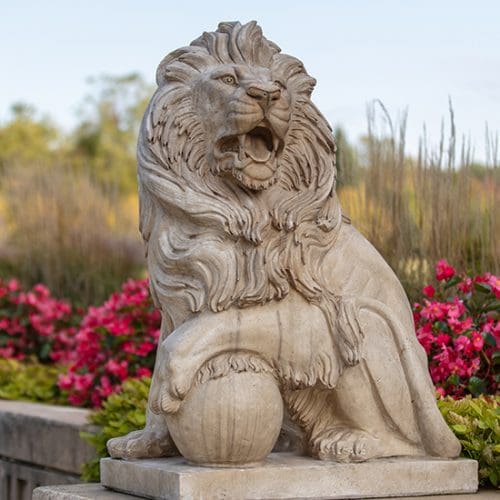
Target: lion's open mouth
{"points": [[250, 157], [258, 145]]}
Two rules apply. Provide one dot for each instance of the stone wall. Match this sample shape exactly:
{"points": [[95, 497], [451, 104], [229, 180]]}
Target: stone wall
{"points": [[40, 445]]}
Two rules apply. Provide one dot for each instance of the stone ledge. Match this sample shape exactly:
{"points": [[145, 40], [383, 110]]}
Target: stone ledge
{"points": [[17, 480], [89, 491], [287, 476], [97, 492], [44, 435]]}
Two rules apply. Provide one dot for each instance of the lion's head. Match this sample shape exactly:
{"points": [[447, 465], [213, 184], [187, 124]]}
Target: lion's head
{"points": [[237, 173]]}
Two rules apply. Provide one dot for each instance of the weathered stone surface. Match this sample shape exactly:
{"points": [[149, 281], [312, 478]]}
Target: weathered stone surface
{"points": [[18, 480], [260, 276], [285, 476], [97, 492], [90, 491], [44, 435]]}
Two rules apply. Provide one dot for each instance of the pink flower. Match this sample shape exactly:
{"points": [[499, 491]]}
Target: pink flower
{"points": [[441, 392], [465, 286], [444, 271], [143, 372], [83, 382], [13, 285], [118, 369], [434, 310], [145, 348], [429, 291], [65, 381], [494, 282], [77, 399], [477, 341], [443, 339], [462, 343]]}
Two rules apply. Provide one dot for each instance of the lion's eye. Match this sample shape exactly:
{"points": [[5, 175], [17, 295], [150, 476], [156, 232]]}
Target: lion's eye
{"points": [[228, 79]]}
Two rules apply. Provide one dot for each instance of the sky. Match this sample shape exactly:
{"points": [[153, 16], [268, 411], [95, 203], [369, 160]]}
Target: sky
{"points": [[410, 55]]}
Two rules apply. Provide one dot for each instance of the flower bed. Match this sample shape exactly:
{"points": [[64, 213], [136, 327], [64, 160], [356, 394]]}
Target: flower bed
{"points": [[458, 326], [115, 341], [457, 323], [93, 351], [34, 324]]}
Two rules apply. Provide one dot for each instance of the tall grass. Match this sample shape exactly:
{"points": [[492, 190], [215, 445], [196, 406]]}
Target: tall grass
{"points": [[419, 210], [64, 230]]}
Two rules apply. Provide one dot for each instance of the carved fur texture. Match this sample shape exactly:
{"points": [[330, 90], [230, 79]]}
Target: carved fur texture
{"points": [[248, 251], [234, 246]]}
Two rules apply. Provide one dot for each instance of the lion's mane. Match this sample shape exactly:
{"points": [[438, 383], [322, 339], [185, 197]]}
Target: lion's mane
{"points": [[209, 240]]}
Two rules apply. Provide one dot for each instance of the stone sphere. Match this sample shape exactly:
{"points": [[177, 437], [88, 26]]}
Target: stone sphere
{"points": [[231, 421]]}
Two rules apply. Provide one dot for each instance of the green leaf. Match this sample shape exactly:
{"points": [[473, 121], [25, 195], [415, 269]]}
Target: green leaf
{"points": [[454, 379], [494, 306], [496, 357], [493, 477], [482, 288], [45, 351], [452, 282], [476, 408], [489, 339], [459, 428], [476, 386]]}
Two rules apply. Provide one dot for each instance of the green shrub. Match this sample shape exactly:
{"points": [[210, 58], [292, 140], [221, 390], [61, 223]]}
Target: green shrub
{"points": [[476, 423], [30, 381], [121, 413]]}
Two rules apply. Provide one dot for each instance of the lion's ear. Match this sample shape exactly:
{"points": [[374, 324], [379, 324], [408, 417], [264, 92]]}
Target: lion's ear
{"points": [[161, 72], [181, 65]]}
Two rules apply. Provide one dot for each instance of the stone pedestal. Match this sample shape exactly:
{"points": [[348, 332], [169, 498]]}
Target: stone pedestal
{"points": [[286, 476]]}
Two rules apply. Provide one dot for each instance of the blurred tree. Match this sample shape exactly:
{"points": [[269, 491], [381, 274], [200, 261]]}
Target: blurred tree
{"points": [[26, 139], [104, 142]]}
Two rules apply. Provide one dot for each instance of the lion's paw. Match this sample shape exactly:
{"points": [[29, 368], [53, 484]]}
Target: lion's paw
{"points": [[167, 393], [145, 443], [343, 444], [174, 377]]}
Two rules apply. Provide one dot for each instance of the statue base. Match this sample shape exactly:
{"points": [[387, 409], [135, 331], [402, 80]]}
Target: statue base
{"points": [[287, 476]]}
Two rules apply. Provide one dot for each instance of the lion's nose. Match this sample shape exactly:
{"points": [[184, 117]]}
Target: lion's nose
{"points": [[264, 93]]}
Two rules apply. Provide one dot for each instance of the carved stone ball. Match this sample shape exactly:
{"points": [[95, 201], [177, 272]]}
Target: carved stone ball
{"points": [[231, 421]]}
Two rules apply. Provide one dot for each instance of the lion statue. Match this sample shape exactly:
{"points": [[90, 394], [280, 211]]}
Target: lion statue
{"points": [[248, 250]]}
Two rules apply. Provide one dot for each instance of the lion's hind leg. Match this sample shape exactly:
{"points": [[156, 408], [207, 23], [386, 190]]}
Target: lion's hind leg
{"points": [[369, 413], [329, 435], [373, 402]]}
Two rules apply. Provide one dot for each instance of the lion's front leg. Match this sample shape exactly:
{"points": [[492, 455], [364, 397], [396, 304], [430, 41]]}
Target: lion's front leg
{"points": [[290, 336], [151, 442], [197, 341]]}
